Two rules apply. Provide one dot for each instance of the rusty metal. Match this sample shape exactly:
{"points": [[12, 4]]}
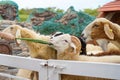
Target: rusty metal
{"points": [[5, 47]]}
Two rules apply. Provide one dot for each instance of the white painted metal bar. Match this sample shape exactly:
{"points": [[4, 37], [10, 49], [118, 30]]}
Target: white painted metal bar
{"points": [[51, 69], [25, 63], [12, 76], [92, 69]]}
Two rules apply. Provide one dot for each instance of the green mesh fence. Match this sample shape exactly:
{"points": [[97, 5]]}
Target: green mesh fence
{"points": [[72, 22], [13, 5], [42, 11]]}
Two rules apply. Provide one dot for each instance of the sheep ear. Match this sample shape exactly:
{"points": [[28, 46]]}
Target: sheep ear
{"points": [[108, 31], [18, 35], [76, 44]]}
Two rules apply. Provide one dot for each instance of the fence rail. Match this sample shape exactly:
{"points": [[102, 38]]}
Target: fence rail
{"points": [[57, 67], [25, 63], [92, 69], [12, 76]]}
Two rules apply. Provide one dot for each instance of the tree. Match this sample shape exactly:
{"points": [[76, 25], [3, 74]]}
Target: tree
{"points": [[92, 12], [24, 13], [54, 9]]}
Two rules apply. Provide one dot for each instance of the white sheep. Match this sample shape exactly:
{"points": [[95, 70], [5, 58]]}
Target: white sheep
{"points": [[36, 50], [64, 45], [68, 48]]}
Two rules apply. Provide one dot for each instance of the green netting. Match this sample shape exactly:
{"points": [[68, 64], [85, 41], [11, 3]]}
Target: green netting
{"points": [[36, 10], [41, 11], [72, 22], [12, 3], [4, 2]]}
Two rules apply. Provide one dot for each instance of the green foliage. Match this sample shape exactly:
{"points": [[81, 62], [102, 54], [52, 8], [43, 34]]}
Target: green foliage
{"points": [[54, 9], [59, 10], [24, 13], [92, 12], [23, 17]]}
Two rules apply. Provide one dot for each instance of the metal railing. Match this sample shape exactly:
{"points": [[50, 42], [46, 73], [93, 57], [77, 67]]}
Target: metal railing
{"points": [[51, 69]]}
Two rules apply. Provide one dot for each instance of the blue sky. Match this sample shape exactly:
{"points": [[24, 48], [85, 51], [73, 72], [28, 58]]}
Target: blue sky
{"points": [[62, 4]]}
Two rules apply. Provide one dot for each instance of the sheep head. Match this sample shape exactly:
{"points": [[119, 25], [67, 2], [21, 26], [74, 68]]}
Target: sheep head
{"points": [[15, 30], [100, 28], [65, 42]]}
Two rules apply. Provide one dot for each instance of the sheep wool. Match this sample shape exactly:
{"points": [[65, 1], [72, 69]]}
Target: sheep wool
{"points": [[93, 49]]}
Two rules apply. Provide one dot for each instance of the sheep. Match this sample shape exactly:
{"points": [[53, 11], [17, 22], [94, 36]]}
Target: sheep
{"points": [[37, 50], [94, 47], [68, 48], [63, 44], [111, 50], [102, 28], [96, 50], [28, 73], [107, 30], [97, 22], [86, 34]]}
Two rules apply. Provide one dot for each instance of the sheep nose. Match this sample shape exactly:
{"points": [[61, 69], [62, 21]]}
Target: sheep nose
{"points": [[50, 44], [51, 40], [83, 37]]}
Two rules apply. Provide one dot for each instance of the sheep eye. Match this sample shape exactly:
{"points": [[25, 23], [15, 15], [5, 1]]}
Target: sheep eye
{"points": [[81, 35], [65, 40], [95, 25], [51, 37], [58, 34], [11, 28]]}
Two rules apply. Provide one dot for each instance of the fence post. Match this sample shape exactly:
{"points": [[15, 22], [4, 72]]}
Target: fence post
{"points": [[53, 73], [43, 72]]}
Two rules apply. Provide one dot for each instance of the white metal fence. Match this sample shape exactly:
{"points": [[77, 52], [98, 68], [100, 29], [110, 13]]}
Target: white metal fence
{"points": [[56, 67]]}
